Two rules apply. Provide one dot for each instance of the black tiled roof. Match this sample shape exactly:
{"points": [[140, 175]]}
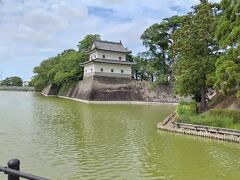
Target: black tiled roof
{"points": [[110, 46]]}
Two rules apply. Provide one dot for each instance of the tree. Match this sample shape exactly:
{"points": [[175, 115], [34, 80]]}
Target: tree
{"points": [[64, 67], [139, 70], [227, 76], [68, 68], [44, 73], [195, 47], [157, 38], [85, 44], [12, 81]]}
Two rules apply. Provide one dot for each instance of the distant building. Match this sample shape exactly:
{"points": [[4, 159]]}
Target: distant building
{"points": [[25, 83], [108, 59]]}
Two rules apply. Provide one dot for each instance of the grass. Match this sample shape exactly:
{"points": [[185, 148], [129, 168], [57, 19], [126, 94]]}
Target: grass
{"points": [[215, 117]]}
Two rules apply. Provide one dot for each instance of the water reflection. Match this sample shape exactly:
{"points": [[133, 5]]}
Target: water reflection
{"points": [[64, 139]]}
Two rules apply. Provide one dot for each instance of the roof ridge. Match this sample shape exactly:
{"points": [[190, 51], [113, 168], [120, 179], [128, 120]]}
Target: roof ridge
{"points": [[113, 42]]}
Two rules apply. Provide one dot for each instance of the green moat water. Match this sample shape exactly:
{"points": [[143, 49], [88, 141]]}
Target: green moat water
{"points": [[64, 139]]}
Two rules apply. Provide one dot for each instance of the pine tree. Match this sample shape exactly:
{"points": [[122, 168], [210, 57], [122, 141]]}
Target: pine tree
{"points": [[195, 49], [227, 76]]}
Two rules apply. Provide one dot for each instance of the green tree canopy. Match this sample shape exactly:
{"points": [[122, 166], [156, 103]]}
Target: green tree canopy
{"points": [[157, 38], [68, 67], [195, 47], [139, 70], [227, 76], [12, 81], [63, 68], [85, 44]]}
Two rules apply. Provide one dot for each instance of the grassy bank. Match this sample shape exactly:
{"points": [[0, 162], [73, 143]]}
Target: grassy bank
{"points": [[215, 117]]}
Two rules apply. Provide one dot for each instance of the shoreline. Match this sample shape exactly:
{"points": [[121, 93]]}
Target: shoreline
{"points": [[16, 88], [117, 102], [113, 102], [226, 134]]}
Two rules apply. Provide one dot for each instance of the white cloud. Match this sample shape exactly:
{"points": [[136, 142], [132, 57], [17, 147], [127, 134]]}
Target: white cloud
{"points": [[32, 30]]}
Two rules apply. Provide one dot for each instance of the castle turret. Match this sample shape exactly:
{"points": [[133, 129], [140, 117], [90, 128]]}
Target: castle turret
{"points": [[108, 59]]}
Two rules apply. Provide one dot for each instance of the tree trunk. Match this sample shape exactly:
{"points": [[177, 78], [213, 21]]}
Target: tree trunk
{"points": [[152, 77], [136, 74], [164, 56], [203, 102]]}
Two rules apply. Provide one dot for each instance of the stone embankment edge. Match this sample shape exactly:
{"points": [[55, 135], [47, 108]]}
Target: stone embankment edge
{"points": [[170, 124], [16, 88], [116, 102], [47, 95]]}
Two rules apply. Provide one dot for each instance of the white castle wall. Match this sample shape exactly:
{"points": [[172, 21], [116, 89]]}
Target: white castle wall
{"points": [[108, 55], [95, 69]]}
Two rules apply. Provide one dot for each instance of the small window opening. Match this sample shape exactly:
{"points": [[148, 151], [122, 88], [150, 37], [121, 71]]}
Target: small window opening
{"points": [[103, 56], [122, 71], [101, 69], [120, 58], [112, 70]]}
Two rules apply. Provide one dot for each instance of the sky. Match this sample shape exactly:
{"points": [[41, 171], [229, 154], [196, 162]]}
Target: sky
{"points": [[34, 30]]}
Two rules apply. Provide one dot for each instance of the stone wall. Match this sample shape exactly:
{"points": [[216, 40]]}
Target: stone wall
{"points": [[99, 88], [102, 88], [50, 90]]}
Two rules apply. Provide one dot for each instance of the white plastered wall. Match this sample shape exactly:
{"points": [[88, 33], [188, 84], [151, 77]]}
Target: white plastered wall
{"points": [[95, 68], [116, 68], [89, 68], [108, 55]]}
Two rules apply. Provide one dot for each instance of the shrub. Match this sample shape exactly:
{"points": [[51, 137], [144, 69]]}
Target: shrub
{"points": [[208, 120], [186, 108], [215, 117]]}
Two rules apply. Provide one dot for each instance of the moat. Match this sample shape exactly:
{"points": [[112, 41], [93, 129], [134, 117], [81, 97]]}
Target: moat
{"points": [[64, 139]]}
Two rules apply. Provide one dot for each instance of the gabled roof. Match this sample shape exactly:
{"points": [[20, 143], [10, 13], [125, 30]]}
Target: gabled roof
{"points": [[109, 46]]}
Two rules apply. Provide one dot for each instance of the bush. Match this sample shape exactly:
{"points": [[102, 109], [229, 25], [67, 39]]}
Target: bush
{"points": [[215, 117], [208, 120], [186, 108]]}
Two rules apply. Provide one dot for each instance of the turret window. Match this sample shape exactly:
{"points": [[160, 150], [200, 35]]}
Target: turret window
{"points": [[101, 69], [112, 70], [120, 58], [122, 71], [103, 56]]}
